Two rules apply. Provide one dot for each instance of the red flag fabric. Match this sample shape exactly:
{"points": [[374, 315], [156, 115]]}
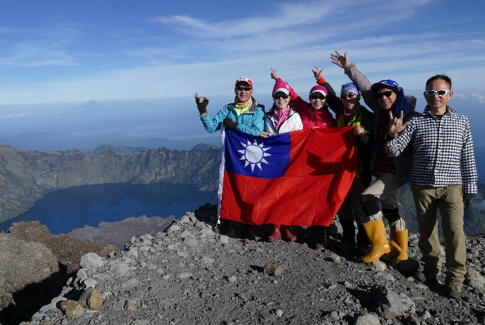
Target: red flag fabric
{"points": [[296, 178]]}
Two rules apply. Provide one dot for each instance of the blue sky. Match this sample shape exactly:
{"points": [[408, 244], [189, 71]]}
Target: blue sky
{"points": [[138, 63], [74, 51]]}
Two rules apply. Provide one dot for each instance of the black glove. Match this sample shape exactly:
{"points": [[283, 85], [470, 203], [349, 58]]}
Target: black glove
{"points": [[230, 124], [202, 107], [467, 199]]}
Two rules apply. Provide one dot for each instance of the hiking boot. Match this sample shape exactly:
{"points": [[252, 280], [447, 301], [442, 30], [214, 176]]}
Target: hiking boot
{"points": [[376, 231], [319, 234], [453, 288], [290, 235], [399, 245], [319, 246], [276, 233]]}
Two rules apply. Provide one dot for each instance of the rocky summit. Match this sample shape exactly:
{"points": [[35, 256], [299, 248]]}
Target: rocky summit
{"points": [[189, 274]]}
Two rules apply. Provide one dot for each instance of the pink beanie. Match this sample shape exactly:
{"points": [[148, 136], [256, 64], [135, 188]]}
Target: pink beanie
{"points": [[281, 86], [319, 89]]}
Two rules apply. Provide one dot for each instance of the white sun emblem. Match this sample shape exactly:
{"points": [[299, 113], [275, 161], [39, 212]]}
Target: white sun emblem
{"points": [[254, 154]]}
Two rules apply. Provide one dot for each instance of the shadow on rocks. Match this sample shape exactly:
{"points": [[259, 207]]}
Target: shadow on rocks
{"points": [[32, 297], [348, 319], [364, 297], [256, 268], [407, 268]]}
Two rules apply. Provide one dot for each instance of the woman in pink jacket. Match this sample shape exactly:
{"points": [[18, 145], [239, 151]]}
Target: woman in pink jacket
{"points": [[314, 113]]}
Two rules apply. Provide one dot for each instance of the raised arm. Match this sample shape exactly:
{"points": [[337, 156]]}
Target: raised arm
{"points": [[357, 78], [210, 125], [201, 103], [299, 103], [333, 101]]}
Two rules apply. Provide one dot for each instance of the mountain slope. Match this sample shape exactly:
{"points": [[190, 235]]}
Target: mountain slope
{"points": [[26, 176], [190, 275]]}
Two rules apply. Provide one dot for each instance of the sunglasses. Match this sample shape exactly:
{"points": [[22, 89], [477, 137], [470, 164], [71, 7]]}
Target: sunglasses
{"points": [[321, 97], [348, 96], [440, 92], [240, 88], [385, 93], [280, 95]]}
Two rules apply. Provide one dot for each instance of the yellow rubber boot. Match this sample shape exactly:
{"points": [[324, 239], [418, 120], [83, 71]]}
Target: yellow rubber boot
{"points": [[376, 231], [399, 245]]}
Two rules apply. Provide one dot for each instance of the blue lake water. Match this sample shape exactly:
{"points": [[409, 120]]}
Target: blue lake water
{"points": [[65, 210]]}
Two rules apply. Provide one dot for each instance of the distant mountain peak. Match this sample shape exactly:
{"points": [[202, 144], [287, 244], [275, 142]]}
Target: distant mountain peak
{"points": [[91, 104]]}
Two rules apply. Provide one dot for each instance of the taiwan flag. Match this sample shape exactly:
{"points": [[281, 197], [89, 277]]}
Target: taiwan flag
{"points": [[296, 178]]}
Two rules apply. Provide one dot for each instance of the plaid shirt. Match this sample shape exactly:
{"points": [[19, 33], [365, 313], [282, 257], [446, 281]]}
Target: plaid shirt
{"points": [[442, 150]]}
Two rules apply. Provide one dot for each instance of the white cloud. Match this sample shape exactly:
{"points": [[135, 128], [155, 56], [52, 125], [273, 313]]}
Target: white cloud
{"points": [[186, 54], [478, 98], [7, 116], [323, 16], [29, 55]]}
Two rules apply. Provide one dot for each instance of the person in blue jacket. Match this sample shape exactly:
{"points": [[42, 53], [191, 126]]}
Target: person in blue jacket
{"points": [[244, 114]]}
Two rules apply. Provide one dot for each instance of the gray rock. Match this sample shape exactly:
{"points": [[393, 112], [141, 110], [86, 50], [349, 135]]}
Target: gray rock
{"points": [[173, 228], [367, 319], [91, 261], [475, 279], [23, 263], [389, 302], [222, 280], [132, 283], [224, 239], [191, 241], [90, 282], [119, 269], [132, 252]]}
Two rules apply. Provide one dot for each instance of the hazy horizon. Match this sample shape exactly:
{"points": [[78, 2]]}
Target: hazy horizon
{"points": [[90, 124]]}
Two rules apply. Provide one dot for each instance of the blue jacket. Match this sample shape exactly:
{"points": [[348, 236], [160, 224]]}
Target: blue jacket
{"points": [[251, 121]]}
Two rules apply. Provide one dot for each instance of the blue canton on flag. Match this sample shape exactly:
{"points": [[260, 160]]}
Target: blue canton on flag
{"points": [[249, 155]]}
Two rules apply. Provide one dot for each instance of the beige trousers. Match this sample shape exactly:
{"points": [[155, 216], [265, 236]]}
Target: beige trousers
{"points": [[449, 201], [385, 189]]}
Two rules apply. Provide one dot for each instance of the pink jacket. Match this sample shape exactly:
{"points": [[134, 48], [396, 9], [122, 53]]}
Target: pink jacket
{"points": [[322, 118]]}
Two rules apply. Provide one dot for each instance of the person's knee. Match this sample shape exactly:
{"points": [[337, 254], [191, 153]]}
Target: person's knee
{"points": [[370, 204]]}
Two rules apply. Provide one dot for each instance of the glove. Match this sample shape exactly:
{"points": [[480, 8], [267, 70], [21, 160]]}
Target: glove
{"points": [[467, 199], [202, 107], [230, 124]]}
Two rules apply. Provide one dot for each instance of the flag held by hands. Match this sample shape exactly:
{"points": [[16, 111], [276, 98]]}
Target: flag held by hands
{"points": [[296, 178]]}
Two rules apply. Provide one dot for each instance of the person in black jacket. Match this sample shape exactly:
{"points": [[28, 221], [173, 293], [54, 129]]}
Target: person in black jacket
{"points": [[349, 112]]}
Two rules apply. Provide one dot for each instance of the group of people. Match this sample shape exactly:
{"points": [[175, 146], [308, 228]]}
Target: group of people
{"points": [[395, 144]]}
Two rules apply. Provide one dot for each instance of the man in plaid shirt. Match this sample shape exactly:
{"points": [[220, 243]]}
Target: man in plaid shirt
{"points": [[443, 176]]}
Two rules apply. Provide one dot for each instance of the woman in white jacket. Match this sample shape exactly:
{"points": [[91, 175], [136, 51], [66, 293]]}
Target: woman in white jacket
{"points": [[281, 118]]}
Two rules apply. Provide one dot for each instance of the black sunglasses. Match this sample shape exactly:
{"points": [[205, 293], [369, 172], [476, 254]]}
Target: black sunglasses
{"points": [[243, 88], [321, 97], [385, 93], [280, 95]]}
